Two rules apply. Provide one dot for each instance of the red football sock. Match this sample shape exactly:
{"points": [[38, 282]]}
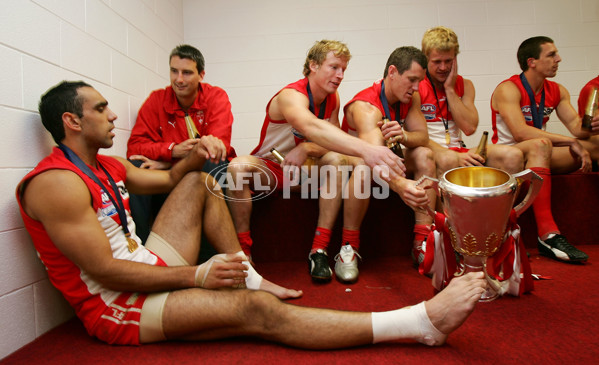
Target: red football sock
{"points": [[352, 237], [542, 204], [245, 241], [322, 237], [421, 231]]}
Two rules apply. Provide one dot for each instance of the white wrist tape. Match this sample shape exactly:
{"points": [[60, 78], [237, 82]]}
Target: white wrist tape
{"points": [[406, 323], [203, 269], [253, 280]]}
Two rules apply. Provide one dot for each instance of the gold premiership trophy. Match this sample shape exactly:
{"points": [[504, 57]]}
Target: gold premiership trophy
{"points": [[477, 202]]}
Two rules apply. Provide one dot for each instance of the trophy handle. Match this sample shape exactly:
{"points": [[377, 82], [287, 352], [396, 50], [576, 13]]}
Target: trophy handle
{"points": [[434, 185], [535, 185]]}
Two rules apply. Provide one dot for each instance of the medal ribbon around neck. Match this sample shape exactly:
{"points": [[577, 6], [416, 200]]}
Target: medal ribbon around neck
{"points": [[385, 103], [323, 105], [446, 119], [118, 204], [537, 114]]}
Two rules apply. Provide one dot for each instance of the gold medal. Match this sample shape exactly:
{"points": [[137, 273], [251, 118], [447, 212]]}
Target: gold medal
{"points": [[447, 138], [132, 244]]}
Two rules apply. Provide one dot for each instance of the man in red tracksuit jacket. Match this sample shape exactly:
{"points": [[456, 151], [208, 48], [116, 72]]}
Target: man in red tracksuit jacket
{"points": [[171, 121]]}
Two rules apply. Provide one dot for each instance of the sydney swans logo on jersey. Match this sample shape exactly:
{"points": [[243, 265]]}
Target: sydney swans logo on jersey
{"points": [[312, 182], [200, 117]]}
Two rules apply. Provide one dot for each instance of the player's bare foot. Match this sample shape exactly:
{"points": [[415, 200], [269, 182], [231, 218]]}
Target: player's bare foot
{"points": [[279, 291], [256, 281], [449, 308]]}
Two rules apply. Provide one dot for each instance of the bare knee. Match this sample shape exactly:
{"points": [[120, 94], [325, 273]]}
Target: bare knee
{"points": [[541, 147], [421, 153], [423, 160], [334, 159], [514, 160], [195, 179], [510, 159], [201, 183], [244, 171], [446, 160], [592, 145], [242, 164], [261, 311]]}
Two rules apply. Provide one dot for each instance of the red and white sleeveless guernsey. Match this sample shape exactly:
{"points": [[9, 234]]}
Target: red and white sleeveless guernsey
{"points": [[435, 109], [501, 133], [280, 134], [372, 95], [109, 315]]}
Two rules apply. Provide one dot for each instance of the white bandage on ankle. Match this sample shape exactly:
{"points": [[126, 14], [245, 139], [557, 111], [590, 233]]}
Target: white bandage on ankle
{"points": [[406, 323], [203, 269], [253, 280]]}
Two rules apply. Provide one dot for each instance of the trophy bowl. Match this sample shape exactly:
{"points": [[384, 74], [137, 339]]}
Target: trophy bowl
{"points": [[477, 202]]}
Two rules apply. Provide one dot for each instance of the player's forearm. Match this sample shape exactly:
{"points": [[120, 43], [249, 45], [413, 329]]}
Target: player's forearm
{"points": [[334, 139], [464, 115], [158, 151], [415, 139], [124, 275], [528, 133]]}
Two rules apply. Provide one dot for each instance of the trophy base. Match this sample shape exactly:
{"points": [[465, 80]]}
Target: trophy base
{"points": [[476, 264], [489, 295]]}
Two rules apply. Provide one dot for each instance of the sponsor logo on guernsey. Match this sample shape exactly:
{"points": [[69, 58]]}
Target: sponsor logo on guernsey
{"points": [[429, 111], [200, 117], [172, 123], [108, 209], [526, 111], [123, 190]]}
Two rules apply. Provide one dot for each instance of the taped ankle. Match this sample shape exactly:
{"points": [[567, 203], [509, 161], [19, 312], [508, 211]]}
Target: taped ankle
{"points": [[406, 323]]}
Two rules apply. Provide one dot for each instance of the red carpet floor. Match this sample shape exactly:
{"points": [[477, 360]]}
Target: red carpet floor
{"points": [[556, 324]]}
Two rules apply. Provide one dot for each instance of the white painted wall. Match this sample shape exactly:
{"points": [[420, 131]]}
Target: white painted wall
{"points": [[121, 47], [252, 49]]}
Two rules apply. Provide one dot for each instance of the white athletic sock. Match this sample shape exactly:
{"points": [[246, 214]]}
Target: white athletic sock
{"points": [[253, 280], [406, 323]]}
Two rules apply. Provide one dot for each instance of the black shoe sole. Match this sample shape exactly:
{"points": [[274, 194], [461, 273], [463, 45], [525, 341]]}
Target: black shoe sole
{"points": [[321, 279]]}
